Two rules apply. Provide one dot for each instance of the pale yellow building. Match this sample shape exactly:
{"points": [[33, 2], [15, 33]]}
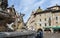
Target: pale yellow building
{"points": [[44, 18]]}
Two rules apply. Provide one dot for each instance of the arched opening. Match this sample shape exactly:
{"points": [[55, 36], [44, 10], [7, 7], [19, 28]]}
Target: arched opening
{"points": [[39, 30], [47, 29], [56, 30]]}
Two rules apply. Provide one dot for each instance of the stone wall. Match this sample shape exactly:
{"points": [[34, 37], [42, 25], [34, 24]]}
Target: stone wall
{"points": [[25, 34]]}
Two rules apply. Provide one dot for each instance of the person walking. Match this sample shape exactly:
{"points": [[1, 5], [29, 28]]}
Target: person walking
{"points": [[39, 33]]}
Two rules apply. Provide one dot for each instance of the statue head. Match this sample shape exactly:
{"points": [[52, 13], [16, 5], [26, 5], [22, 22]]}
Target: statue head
{"points": [[3, 4]]}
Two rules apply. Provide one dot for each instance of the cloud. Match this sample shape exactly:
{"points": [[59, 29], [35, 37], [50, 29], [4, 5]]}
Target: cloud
{"points": [[40, 3], [54, 2], [27, 6]]}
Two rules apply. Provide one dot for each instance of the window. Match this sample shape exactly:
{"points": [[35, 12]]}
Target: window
{"points": [[49, 18], [40, 24], [45, 24], [56, 18], [40, 19], [45, 19], [56, 22]]}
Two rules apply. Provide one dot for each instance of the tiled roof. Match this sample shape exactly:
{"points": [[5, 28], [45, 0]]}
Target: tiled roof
{"points": [[53, 6]]}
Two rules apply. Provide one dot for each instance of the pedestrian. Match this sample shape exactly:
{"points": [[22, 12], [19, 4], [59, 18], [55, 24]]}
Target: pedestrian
{"points": [[39, 33]]}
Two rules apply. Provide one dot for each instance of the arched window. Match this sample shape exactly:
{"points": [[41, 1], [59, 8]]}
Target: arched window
{"points": [[40, 24], [40, 19], [56, 18], [45, 19], [45, 24]]}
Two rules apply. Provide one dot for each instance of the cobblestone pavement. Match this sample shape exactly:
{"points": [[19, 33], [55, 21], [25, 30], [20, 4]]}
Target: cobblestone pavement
{"points": [[51, 35]]}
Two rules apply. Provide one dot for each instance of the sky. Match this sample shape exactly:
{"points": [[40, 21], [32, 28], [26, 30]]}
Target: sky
{"points": [[27, 6]]}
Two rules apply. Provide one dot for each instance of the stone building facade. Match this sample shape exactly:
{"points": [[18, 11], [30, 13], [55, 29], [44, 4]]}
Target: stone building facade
{"points": [[44, 18]]}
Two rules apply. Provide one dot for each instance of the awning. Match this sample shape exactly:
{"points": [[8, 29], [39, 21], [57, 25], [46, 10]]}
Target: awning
{"points": [[56, 27], [53, 27]]}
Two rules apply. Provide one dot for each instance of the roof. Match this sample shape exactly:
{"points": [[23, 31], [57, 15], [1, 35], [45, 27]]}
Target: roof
{"points": [[38, 10], [46, 11], [54, 6]]}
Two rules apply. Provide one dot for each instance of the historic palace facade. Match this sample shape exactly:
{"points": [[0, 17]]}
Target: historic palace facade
{"points": [[48, 18]]}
